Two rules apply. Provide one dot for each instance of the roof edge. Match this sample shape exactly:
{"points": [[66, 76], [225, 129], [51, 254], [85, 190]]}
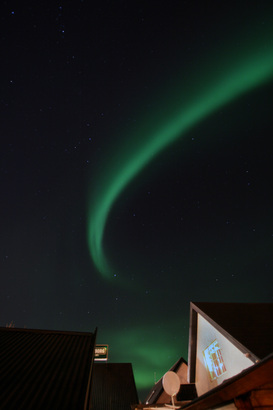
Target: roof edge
{"points": [[252, 356], [46, 331]]}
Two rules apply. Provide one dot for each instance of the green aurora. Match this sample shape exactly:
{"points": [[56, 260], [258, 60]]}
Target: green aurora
{"points": [[234, 75], [149, 358]]}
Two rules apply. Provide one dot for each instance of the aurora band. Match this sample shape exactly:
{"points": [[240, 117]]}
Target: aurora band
{"points": [[238, 78]]}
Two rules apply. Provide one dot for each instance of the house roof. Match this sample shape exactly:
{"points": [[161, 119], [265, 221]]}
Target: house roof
{"points": [[257, 378], [252, 378], [113, 386], [245, 324], [45, 369]]}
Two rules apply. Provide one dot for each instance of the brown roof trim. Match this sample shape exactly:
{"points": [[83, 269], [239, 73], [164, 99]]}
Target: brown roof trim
{"points": [[249, 379], [192, 344]]}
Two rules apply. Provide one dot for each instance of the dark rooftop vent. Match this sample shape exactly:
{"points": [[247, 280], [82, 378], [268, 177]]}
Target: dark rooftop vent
{"points": [[187, 392]]}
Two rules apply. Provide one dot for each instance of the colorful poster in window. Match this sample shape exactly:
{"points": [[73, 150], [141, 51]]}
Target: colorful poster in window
{"points": [[214, 360]]}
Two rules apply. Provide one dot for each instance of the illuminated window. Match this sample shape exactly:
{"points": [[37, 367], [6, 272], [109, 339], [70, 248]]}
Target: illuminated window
{"points": [[214, 360]]}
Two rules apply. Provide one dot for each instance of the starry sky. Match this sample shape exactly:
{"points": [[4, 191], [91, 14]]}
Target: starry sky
{"points": [[136, 168]]}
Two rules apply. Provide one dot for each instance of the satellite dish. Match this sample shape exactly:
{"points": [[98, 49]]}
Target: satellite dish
{"points": [[171, 385]]}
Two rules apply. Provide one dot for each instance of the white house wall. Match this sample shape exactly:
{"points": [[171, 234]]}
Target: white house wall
{"points": [[234, 360]]}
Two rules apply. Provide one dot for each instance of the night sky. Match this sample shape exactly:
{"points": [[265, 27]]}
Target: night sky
{"points": [[136, 168]]}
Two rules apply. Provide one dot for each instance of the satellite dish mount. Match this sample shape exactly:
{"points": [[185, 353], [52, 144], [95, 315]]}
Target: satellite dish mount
{"points": [[171, 385]]}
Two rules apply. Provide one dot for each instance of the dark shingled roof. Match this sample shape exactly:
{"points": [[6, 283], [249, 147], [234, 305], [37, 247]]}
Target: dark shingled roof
{"points": [[251, 324], [113, 387], [42, 369]]}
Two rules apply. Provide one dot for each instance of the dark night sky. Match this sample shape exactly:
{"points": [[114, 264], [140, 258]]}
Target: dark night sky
{"points": [[83, 88]]}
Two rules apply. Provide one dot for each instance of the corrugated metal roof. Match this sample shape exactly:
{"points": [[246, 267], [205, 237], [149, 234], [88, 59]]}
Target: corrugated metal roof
{"points": [[113, 386], [45, 369]]}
